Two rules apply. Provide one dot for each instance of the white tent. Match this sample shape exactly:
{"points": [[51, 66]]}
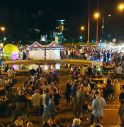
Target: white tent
{"points": [[53, 51], [36, 52]]}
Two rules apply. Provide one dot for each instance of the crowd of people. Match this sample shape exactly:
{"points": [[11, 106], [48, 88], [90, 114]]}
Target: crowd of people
{"points": [[40, 94], [91, 53]]}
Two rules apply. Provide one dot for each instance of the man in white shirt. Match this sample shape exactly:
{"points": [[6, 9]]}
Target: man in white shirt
{"points": [[98, 106], [37, 102], [118, 70]]}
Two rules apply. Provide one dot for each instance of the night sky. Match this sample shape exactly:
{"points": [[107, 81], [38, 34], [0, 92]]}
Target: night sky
{"points": [[21, 16]]}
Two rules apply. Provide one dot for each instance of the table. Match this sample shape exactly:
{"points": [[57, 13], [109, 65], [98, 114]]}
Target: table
{"points": [[102, 80], [100, 86]]}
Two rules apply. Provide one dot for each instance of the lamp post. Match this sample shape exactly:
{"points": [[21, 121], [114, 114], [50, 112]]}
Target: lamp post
{"points": [[88, 34], [105, 18], [97, 16]]}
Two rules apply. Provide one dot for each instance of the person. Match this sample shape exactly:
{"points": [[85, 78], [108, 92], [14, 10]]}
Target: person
{"points": [[118, 71], [121, 108], [121, 113], [76, 122], [56, 99], [89, 71], [121, 96], [29, 124], [6, 68], [51, 107], [86, 100], [104, 56], [68, 91], [98, 106], [109, 90], [21, 100], [19, 122], [10, 73], [24, 55], [117, 88], [79, 101], [51, 123], [37, 102], [45, 97], [107, 56], [46, 114], [74, 88]]}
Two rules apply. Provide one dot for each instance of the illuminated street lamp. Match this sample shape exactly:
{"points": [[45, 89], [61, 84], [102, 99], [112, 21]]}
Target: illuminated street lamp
{"points": [[109, 15], [97, 16], [2, 29], [82, 29], [121, 7]]}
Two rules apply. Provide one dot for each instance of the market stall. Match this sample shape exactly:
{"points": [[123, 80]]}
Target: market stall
{"points": [[36, 51], [53, 51]]}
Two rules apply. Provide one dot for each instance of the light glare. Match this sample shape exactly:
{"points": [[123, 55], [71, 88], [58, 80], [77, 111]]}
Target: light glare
{"points": [[96, 15], [121, 7]]}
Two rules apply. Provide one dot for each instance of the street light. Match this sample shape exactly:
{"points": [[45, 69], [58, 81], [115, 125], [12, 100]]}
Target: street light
{"points": [[121, 7], [97, 16], [3, 30], [82, 29]]}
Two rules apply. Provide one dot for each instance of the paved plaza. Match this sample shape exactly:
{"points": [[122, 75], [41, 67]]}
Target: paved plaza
{"points": [[111, 118]]}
